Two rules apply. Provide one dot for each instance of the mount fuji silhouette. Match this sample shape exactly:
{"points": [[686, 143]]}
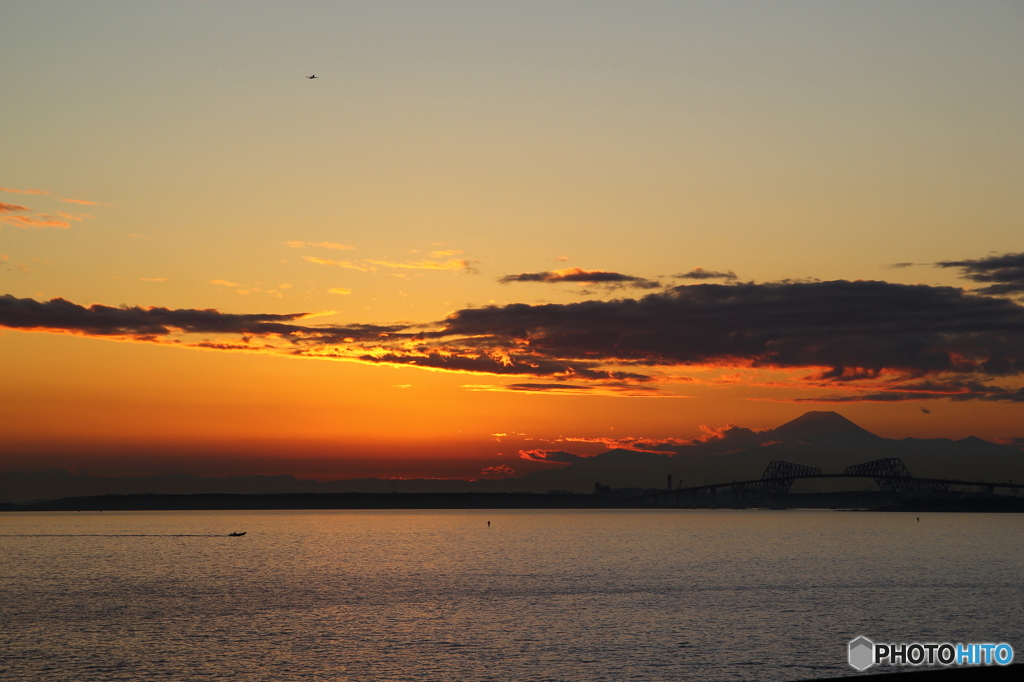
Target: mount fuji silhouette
{"points": [[826, 440], [821, 439], [824, 428]]}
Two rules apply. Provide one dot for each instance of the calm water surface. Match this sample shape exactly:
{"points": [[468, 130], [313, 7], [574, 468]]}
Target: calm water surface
{"points": [[540, 595]]}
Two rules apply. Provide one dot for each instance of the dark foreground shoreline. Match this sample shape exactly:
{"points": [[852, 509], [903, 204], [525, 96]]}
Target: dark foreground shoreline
{"points": [[241, 501]]}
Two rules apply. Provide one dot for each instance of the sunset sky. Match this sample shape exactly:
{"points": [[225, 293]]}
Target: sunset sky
{"points": [[493, 227]]}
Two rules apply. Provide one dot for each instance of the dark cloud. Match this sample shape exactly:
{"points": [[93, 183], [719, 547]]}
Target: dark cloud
{"points": [[11, 208], [848, 327], [852, 330], [1004, 274], [954, 389], [715, 441], [867, 340], [1010, 396], [900, 266], [548, 387], [549, 456], [602, 386], [701, 273], [462, 359], [578, 275], [147, 323], [617, 381], [500, 470]]}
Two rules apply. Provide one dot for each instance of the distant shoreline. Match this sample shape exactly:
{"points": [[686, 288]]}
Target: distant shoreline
{"points": [[472, 500], [286, 501]]}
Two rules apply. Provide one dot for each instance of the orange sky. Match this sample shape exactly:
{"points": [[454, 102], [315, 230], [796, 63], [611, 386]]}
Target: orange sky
{"points": [[590, 221]]}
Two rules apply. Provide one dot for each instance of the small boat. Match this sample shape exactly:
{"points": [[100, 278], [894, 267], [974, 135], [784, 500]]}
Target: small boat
{"points": [[236, 535]]}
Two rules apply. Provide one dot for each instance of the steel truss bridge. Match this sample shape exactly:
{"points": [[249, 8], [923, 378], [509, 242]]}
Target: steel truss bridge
{"points": [[890, 474]]}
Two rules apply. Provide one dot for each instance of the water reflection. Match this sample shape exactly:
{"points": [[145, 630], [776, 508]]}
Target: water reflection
{"points": [[538, 595]]}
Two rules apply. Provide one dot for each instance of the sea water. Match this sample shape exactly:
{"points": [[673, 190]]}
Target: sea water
{"points": [[536, 595]]}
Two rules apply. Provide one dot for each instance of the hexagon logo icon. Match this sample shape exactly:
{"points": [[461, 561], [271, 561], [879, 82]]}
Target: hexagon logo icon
{"points": [[862, 652]]}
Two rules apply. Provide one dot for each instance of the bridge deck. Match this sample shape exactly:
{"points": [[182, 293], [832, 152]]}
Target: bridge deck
{"points": [[876, 477]]}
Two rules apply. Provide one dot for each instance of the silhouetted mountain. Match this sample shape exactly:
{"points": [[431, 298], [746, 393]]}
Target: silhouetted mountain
{"points": [[823, 428], [825, 440]]}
